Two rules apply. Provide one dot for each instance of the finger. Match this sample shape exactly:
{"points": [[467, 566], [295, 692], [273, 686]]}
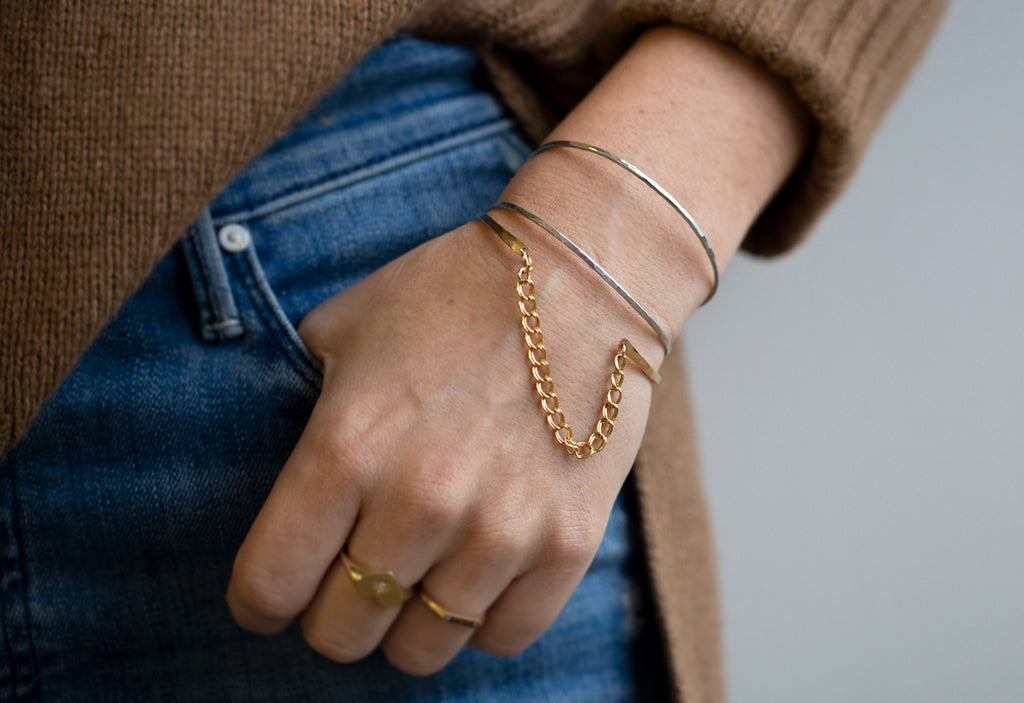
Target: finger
{"points": [[298, 532], [462, 586], [528, 607], [404, 530], [344, 624]]}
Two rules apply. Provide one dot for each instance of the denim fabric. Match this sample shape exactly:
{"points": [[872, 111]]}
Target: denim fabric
{"points": [[123, 506]]}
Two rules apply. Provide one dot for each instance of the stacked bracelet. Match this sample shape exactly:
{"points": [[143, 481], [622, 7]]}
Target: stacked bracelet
{"points": [[547, 227], [536, 352], [657, 188]]}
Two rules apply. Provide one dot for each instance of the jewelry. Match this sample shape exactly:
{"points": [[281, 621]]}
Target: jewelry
{"points": [[657, 189], [382, 586], [541, 369], [665, 341], [447, 615]]}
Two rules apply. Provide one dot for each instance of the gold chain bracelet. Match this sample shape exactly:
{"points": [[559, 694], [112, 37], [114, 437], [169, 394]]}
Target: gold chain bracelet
{"points": [[540, 368]]}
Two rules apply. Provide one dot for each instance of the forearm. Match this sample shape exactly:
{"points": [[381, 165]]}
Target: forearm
{"points": [[714, 129]]}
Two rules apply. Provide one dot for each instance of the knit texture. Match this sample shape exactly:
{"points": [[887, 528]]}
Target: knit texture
{"points": [[121, 120]]}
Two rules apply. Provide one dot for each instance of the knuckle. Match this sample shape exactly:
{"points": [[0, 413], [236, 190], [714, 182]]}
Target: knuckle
{"points": [[344, 464], [572, 547], [428, 508], [264, 591], [343, 453], [498, 542], [336, 643], [414, 659]]}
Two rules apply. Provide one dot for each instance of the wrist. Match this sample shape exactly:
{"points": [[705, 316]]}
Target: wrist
{"points": [[711, 127], [625, 228], [609, 234]]}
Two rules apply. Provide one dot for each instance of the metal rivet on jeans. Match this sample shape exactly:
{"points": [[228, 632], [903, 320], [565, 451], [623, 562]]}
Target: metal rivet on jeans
{"points": [[233, 238]]}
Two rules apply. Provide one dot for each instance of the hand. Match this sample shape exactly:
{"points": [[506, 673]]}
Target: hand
{"points": [[427, 455]]}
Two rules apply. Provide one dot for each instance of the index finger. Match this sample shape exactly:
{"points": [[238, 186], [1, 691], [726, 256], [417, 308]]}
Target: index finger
{"points": [[298, 532]]}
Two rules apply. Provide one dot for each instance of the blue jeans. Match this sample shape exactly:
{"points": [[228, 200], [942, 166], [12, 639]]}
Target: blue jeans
{"points": [[123, 506]]}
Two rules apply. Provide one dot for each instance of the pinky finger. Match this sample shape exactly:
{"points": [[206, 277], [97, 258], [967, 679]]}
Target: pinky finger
{"points": [[525, 610]]}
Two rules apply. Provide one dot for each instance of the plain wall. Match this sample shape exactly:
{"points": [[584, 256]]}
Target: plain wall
{"points": [[861, 408]]}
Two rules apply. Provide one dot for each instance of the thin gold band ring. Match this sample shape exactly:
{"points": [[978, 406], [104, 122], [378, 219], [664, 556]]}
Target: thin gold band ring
{"points": [[447, 615]]}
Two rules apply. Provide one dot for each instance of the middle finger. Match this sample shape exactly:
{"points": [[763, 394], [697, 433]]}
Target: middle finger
{"points": [[346, 620]]}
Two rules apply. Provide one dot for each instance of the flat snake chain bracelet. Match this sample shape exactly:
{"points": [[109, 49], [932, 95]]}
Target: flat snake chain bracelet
{"points": [[654, 186], [550, 229], [540, 368]]}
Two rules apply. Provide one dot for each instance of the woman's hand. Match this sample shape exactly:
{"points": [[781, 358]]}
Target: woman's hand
{"points": [[427, 455]]}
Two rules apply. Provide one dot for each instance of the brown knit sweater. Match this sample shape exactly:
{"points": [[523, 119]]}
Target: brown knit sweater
{"points": [[120, 120]]}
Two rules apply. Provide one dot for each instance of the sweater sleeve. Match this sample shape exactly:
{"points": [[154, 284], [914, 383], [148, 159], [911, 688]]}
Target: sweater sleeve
{"points": [[844, 60], [120, 120]]}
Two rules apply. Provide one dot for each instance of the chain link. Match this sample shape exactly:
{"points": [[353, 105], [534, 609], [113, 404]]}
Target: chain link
{"points": [[540, 369], [537, 355]]}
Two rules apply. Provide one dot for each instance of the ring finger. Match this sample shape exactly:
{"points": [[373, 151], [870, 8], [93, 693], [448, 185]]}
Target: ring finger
{"points": [[450, 604]]}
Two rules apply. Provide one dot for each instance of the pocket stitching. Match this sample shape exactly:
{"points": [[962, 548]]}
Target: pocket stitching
{"points": [[421, 151], [275, 322]]}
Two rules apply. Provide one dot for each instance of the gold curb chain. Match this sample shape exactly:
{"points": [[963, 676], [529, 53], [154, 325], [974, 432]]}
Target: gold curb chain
{"points": [[540, 368]]}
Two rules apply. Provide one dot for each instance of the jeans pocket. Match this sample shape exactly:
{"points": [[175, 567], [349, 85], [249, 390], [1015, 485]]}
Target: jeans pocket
{"points": [[293, 254]]}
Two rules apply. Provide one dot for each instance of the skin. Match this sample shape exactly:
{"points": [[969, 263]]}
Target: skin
{"points": [[426, 453]]}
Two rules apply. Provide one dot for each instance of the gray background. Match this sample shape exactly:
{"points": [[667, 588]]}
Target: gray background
{"points": [[861, 408]]}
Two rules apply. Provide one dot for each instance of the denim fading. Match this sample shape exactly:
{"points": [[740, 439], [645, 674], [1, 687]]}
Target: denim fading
{"points": [[123, 506]]}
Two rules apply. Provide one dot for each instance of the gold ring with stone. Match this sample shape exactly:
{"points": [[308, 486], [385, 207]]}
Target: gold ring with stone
{"points": [[447, 615], [382, 586]]}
